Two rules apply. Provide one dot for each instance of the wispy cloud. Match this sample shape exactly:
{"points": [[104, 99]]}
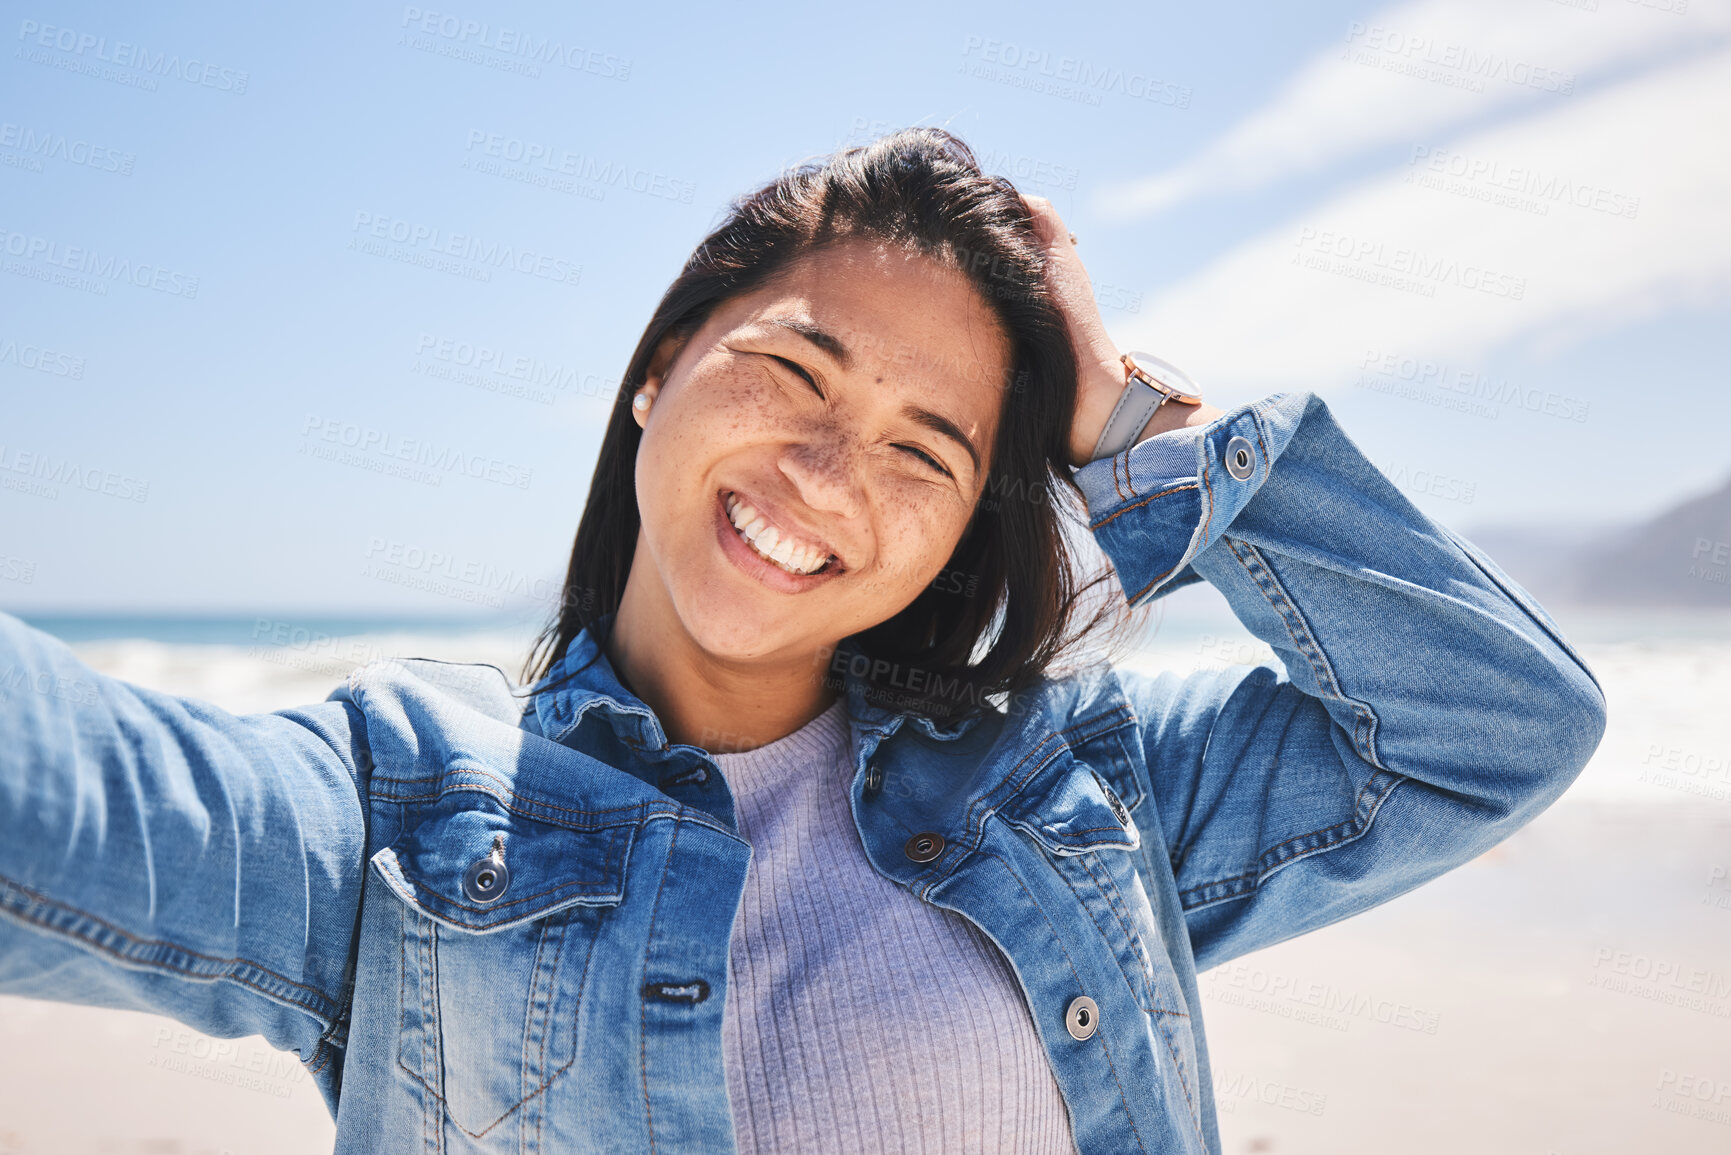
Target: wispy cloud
{"points": [[1427, 67], [1576, 217]]}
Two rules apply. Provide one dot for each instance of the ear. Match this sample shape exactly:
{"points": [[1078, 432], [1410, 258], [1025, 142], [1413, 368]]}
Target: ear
{"points": [[655, 375]]}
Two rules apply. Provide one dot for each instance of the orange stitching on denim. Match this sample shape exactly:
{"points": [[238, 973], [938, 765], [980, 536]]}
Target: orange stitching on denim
{"points": [[1072, 736], [1151, 497], [1350, 826], [1156, 581], [488, 776], [1178, 1064], [643, 1004], [1102, 880], [1351, 822], [1207, 506], [1059, 939], [421, 984], [324, 1047], [548, 1081], [1121, 907], [501, 906], [529, 1010], [508, 800], [1109, 721], [552, 1076], [1304, 640], [54, 904]]}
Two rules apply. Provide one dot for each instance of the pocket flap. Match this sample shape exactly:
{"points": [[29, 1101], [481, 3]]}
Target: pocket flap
{"points": [[1073, 811], [434, 865]]}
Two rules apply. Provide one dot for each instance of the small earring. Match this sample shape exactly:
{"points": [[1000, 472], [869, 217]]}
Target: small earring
{"points": [[640, 402]]}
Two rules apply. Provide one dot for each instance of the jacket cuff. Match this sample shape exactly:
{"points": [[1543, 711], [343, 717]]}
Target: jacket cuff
{"points": [[1158, 504]]}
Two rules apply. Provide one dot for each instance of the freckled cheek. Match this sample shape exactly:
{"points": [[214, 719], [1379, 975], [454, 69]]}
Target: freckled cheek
{"points": [[917, 534], [735, 409], [703, 420]]}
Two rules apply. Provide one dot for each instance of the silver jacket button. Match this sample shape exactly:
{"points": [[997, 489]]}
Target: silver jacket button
{"points": [[488, 877], [1112, 800], [1240, 458], [1082, 1017], [1117, 805]]}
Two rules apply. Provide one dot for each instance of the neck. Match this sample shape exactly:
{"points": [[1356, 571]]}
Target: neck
{"points": [[719, 704]]}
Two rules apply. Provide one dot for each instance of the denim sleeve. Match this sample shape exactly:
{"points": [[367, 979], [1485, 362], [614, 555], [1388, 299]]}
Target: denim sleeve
{"points": [[159, 854], [1426, 707]]}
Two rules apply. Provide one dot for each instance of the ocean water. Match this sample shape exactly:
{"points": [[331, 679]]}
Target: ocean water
{"points": [[250, 629], [258, 663]]}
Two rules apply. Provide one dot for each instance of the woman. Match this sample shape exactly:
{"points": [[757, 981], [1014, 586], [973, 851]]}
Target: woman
{"points": [[808, 834]]}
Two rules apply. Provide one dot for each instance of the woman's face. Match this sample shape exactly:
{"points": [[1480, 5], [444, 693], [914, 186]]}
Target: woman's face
{"points": [[842, 417]]}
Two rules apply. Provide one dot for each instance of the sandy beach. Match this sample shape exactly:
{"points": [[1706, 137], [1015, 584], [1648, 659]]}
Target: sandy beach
{"points": [[1568, 993]]}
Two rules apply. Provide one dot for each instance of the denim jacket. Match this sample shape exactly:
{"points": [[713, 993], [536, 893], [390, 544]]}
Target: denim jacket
{"points": [[490, 920]]}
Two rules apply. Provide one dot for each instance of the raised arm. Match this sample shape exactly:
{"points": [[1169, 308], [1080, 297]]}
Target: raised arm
{"points": [[159, 854], [1427, 708]]}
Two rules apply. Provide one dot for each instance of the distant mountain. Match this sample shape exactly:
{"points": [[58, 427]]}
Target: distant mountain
{"points": [[1682, 557]]}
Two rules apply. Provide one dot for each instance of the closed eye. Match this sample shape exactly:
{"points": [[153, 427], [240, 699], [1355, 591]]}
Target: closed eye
{"points": [[926, 457], [800, 369]]}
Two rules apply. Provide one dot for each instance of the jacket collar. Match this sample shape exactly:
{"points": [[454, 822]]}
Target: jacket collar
{"points": [[584, 680]]}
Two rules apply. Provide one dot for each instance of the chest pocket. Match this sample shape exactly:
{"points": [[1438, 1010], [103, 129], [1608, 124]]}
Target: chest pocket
{"points": [[500, 916], [1081, 812]]}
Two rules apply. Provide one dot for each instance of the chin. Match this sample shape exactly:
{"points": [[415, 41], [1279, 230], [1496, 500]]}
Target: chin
{"points": [[728, 626]]}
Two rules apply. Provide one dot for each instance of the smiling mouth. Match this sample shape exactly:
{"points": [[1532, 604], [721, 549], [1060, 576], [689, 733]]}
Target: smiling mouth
{"points": [[785, 551]]}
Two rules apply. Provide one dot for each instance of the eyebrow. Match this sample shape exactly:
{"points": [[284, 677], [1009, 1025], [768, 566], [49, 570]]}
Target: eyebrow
{"points": [[832, 345], [938, 423], [822, 338]]}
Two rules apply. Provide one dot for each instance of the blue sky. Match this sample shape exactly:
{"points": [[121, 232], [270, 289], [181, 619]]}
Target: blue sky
{"points": [[1491, 235]]}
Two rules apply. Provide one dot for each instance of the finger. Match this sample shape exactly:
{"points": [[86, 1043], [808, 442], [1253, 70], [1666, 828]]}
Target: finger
{"points": [[1047, 224]]}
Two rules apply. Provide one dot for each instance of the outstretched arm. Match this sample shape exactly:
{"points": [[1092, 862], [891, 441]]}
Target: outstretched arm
{"points": [[159, 854]]}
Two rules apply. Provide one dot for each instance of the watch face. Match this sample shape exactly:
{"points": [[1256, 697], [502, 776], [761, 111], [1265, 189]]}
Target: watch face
{"points": [[1167, 374]]}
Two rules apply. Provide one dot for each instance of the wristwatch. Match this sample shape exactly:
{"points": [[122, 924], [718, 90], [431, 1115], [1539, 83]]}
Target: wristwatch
{"points": [[1149, 383]]}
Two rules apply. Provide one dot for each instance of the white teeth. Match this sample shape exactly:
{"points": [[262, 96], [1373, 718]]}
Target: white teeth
{"points": [[767, 541]]}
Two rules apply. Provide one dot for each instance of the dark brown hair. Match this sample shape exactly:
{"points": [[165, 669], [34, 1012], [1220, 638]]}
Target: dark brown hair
{"points": [[1013, 588]]}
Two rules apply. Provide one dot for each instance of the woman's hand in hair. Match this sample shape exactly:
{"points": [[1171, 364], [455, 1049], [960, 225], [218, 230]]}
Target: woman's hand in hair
{"points": [[1101, 372]]}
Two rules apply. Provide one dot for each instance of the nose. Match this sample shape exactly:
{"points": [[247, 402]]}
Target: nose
{"points": [[824, 468]]}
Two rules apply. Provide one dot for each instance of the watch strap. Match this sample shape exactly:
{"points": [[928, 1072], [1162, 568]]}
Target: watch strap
{"points": [[1136, 406]]}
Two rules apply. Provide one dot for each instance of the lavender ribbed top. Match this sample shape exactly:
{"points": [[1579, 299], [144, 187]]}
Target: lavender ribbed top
{"points": [[859, 1018]]}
